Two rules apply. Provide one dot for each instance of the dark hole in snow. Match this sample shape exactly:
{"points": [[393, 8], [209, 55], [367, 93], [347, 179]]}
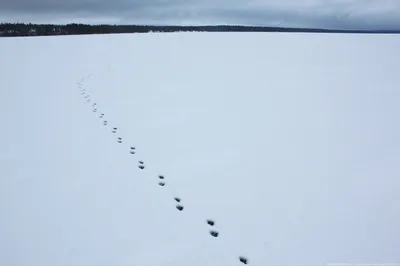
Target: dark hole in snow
{"points": [[179, 207], [141, 162], [161, 176], [141, 166], [243, 260], [132, 152], [132, 148], [177, 199], [161, 184], [211, 222], [119, 138], [214, 233], [115, 128]]}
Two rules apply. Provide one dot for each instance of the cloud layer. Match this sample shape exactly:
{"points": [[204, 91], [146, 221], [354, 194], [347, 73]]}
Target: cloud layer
{"points": [[336, 14]]}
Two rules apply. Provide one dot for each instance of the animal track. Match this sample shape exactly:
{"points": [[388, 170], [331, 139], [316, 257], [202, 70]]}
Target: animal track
{"points": [[211, 222], [243, 260], [214, 233], [141, 166]]}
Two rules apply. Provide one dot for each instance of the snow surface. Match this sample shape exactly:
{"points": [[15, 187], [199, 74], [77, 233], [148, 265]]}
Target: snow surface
{"points": [[289, 142]]}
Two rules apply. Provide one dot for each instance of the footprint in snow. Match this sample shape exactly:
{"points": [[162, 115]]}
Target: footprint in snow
{"points": [[214, 233], [141, 165], [161, 184], [119, 140], [177, 199], [161, 176], [179, 207], [210, 222], [243, 260], [114, 130]]}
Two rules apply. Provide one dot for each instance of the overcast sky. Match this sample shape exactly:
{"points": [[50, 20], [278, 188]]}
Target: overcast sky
{"points": [[339, 14]]}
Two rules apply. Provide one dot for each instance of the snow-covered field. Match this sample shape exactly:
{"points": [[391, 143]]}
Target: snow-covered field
{"points": [[290, 143]]}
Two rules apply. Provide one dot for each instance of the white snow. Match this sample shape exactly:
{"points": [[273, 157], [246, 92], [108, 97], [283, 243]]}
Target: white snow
{"points": [[289, 142]]}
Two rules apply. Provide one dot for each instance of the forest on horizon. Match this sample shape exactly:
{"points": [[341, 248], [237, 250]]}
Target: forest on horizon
{"points": [[29, 29]]}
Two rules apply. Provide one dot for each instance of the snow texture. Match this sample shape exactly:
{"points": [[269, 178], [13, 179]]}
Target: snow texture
{"points": [[288, 143]]}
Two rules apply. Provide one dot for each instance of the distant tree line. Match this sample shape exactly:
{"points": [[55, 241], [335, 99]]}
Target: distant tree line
{"points": [[22, 29]]}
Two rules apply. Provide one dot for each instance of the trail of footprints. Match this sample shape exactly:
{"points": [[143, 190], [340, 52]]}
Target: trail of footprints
{"points": [[141, 165]]}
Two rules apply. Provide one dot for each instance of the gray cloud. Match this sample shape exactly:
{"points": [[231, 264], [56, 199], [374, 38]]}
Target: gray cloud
{"points": [[339, 14]]}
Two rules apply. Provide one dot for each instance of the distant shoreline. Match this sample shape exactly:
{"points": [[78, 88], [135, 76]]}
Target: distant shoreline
{"points": [[23, 30]]}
